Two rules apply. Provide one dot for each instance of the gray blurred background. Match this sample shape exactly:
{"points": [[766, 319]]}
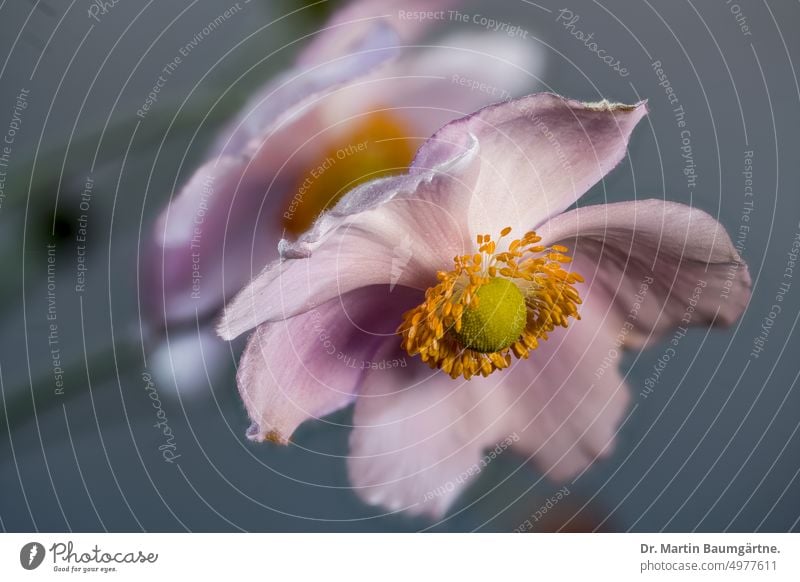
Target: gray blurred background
{"points": [[715, 446]]}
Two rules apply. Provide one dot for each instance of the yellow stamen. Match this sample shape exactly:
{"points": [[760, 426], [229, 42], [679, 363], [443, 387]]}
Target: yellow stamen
{"points": [[377, 145], [470, 322]]}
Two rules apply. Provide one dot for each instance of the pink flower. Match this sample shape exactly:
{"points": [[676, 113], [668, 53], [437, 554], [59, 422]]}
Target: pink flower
{"points": [[511, 345], [364, 93]]}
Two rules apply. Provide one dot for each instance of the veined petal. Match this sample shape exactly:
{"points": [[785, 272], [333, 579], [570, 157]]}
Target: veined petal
{"points": [[311, 365], [539, 154], [419, 438], [392, 231], [655, 264]]}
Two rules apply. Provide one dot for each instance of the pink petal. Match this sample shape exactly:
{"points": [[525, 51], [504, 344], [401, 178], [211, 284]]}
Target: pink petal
{"points": [[430, 86], [393, 231], [419, 437], [350, 22], [692, 273], [415, 441], [571, 413], [311, 365], [539, 154]]}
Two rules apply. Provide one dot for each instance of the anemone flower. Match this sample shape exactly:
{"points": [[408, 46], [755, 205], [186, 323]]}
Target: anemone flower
{"points": [[367, 89], [466, 311]]}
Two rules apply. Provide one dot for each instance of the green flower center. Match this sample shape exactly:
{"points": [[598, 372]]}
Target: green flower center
{"points": [[497, 321]]}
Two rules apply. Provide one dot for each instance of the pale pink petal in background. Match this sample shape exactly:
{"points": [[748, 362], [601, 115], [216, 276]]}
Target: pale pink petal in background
{"points": [[416, 431], [313, 364], [218, 217]]}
